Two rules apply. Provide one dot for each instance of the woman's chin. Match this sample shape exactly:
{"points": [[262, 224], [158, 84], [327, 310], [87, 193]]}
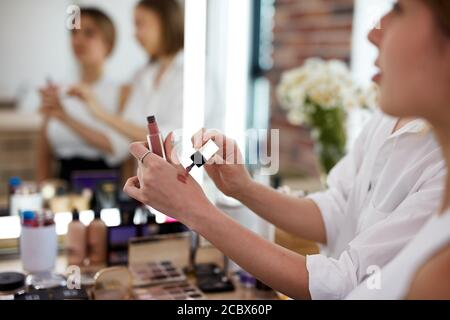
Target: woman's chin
{"points": [[393, 110]]}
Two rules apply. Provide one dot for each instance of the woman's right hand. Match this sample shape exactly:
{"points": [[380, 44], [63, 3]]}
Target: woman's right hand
{"points": [[51, 105], [227, 167]]}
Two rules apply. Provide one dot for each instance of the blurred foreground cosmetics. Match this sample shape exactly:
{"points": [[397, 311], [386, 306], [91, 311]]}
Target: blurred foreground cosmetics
{"points": [[76, 240], [11, 285], [96, 240]]}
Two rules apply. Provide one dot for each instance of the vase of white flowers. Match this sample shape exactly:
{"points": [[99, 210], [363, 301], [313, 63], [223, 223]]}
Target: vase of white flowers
{"points": [[318, 95]]}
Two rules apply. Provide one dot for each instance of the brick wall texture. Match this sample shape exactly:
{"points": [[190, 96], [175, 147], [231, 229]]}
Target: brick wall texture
{"points": [[304, 29]]}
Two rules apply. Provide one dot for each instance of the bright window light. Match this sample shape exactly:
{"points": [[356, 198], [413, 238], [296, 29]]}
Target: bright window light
{"points": [[238, 60], [111, 217], [86, 217], [10, 227], [194, 74], [62, 220]]}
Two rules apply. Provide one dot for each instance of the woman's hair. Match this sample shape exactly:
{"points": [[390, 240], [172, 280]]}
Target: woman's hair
{"points": [[104, 24], [171, 17], [441, 11]]}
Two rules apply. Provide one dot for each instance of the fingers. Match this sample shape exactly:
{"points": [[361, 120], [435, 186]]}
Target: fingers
{"points": [[168, 146], [80, 91], [203, 135], [138, 149], [74, 92], [197, 139], [132, 188], [171, 152]]}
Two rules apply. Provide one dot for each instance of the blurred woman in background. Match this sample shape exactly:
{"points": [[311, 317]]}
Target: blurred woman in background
{"points": [[70, 132], [418, 86], [157, 89]]}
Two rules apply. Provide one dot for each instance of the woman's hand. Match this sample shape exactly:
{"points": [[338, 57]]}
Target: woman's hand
{"points": [[51, 104], [84, 93], [226, 168], [158, 185]]}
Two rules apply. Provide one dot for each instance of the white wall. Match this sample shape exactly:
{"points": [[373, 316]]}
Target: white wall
{"points": [[35, 43]]}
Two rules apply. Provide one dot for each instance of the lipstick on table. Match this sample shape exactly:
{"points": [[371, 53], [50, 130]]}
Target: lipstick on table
{"points": [[154, 138]]}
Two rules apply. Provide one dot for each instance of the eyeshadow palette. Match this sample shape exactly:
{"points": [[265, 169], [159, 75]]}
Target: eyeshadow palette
{"points": [[153, 273], [176, 291]]}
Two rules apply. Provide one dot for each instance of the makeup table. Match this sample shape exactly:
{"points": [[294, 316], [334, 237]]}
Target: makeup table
{"points": [[176, 251]]}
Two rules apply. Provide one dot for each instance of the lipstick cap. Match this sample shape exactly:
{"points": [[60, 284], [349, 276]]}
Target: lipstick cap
{"points": [[208, 150]]}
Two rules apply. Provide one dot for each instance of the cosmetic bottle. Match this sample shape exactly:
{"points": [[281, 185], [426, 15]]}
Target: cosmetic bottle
{"points": [[203, 155], [154, 137], [13, 185], [76, 240], [96, 238]]}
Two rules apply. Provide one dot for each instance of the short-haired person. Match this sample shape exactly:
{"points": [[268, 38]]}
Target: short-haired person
{"points": [[70, 132], [418, 86], [157, 88]]}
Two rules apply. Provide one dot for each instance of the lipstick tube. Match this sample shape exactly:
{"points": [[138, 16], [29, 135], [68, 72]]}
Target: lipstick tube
{"points": [[154, 138]]}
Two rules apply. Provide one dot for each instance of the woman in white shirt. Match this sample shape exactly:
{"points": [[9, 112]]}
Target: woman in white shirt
{"points": [[417, 85], [69, 131], [157, 89], [380, 195]]}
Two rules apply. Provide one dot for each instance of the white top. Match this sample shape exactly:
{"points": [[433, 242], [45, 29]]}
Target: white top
{"points": [[67, 144], [164, 101], [378, 197], [394, 280]]}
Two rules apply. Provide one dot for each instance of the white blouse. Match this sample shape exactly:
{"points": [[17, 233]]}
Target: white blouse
{"points": [[67, 144], [165, 101], [394, 280], [379, 196]]}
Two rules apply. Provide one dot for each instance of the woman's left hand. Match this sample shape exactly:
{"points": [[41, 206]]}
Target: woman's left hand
{"points": [[84, 93], [157, 184]]}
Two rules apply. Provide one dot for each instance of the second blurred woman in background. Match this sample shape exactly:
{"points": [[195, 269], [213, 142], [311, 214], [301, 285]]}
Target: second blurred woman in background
{"points": [[157, 89]]}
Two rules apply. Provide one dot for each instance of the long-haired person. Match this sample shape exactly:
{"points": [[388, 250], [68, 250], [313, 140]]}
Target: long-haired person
{"points": [[379, 196], [418, 86]]}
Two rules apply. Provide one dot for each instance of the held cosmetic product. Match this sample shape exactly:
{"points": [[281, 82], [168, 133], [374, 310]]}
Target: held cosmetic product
{"points": [[96, 238], [200, 157], [154, 138], [76, 240]]}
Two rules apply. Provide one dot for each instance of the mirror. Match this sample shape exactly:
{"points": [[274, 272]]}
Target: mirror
{"points": [[79, 79]]}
